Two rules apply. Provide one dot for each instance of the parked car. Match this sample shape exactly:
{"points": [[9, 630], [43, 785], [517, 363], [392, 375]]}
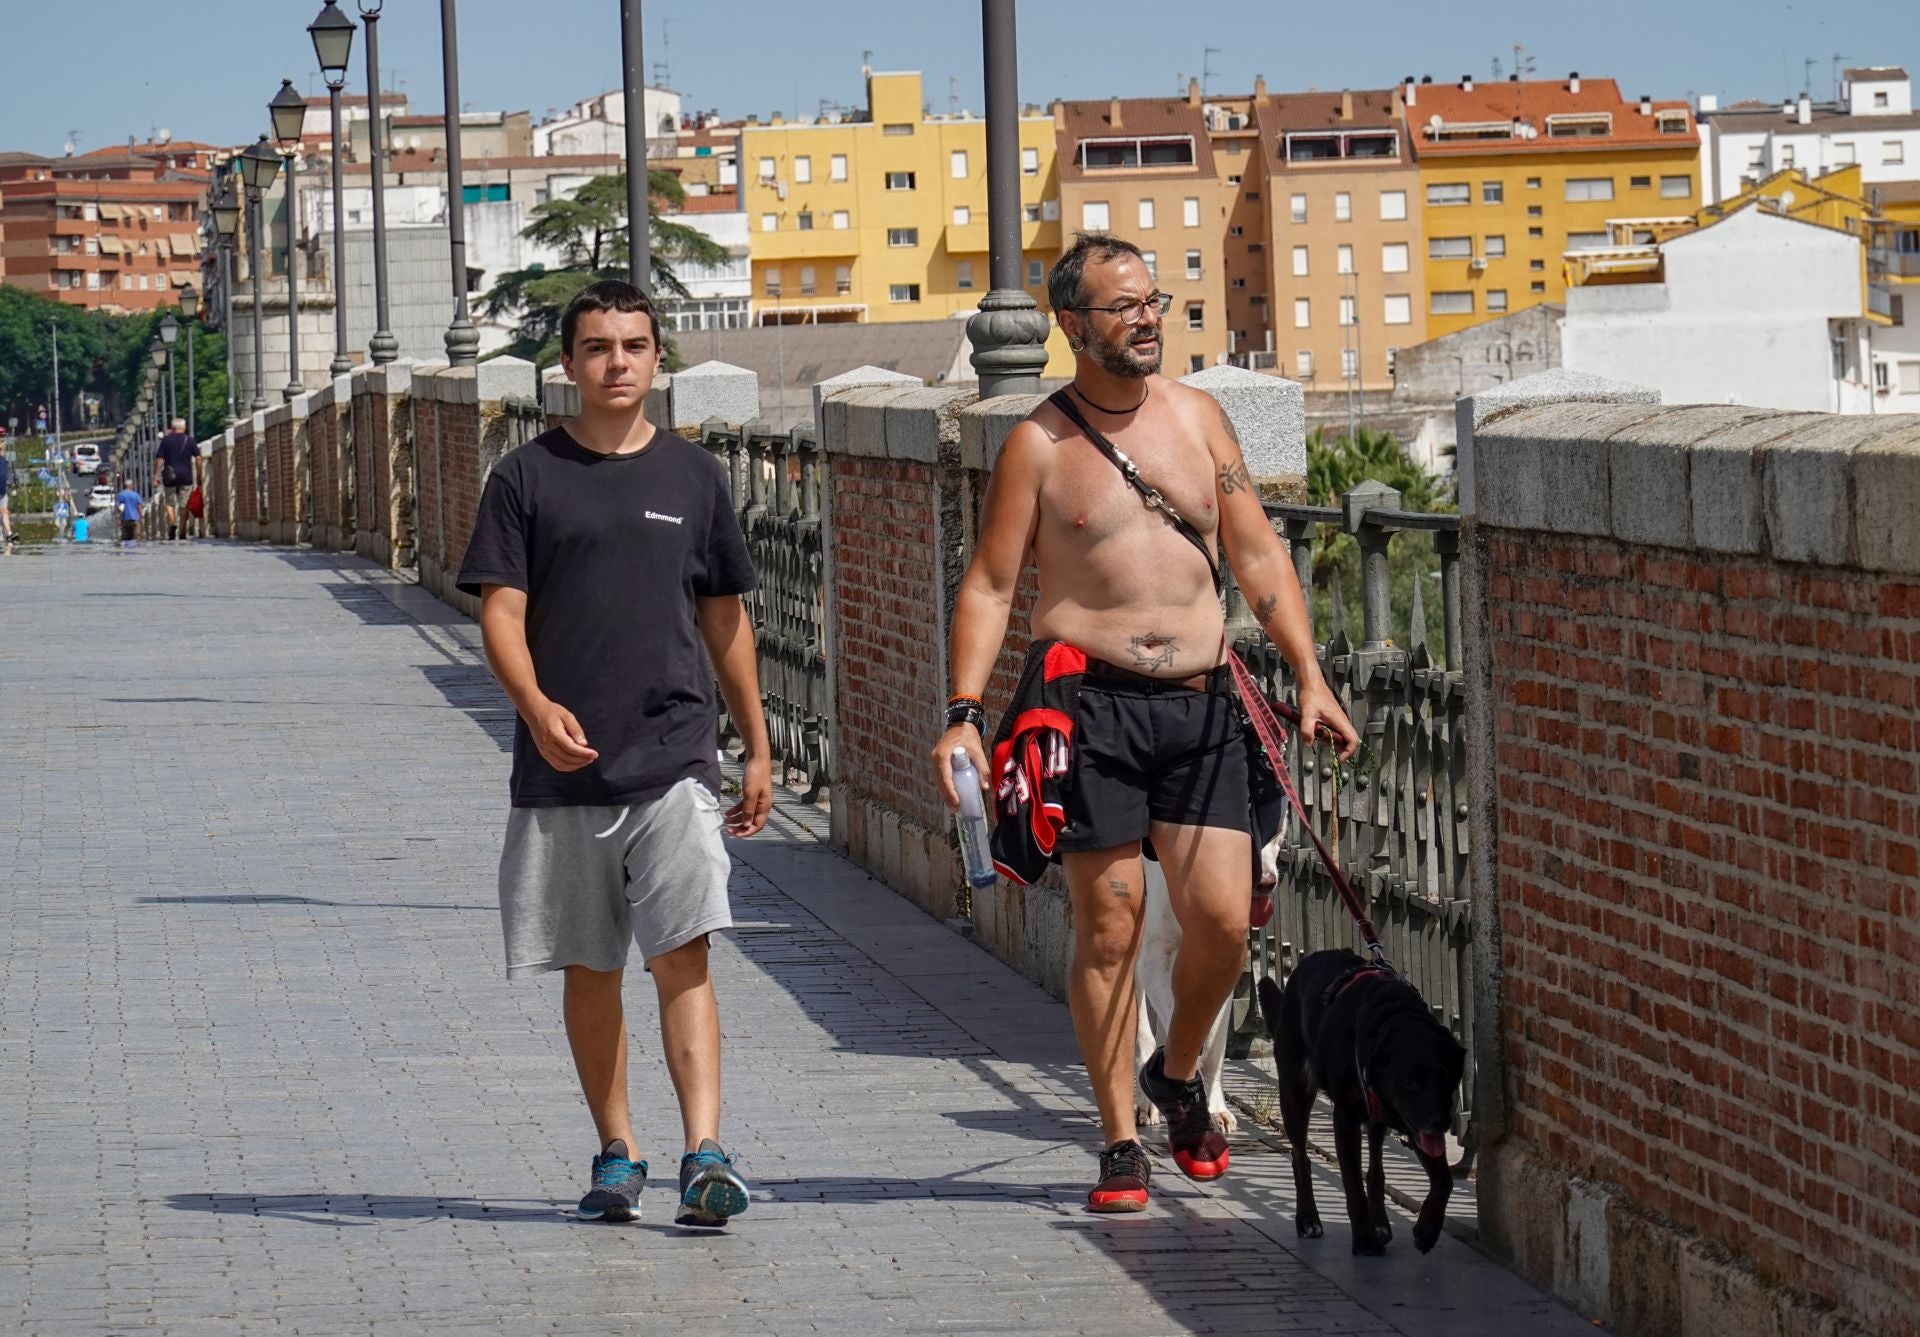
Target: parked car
{"points": [[101, 498], [86, 458]]}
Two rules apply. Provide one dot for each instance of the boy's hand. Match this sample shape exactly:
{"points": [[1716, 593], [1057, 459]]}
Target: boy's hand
{"points": [[756, 798], [559, 737]]}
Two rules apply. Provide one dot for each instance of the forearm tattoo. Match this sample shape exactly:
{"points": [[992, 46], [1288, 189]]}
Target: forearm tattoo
{"points": [[1264, 608]]}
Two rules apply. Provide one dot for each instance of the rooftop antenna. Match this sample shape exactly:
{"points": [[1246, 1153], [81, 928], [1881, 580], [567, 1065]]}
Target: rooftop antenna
{"points": [[663, 67], [73, 142], [1838, 61], [866, 63], [1523, 64], [1497, 71], [1206, 67], [953, 95], [1807, 65]]}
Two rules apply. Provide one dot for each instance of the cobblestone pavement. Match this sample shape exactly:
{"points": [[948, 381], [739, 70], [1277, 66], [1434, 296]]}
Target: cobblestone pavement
{"points": [[260, 1070]]}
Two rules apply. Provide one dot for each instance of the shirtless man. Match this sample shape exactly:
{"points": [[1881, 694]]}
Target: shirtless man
{"points": [[1157, 746]]}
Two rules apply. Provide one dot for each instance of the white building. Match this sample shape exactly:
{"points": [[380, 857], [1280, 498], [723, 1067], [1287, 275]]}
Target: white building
{"points": [[599, 124], [1754, 309], [1873, 124], [719, 296]]}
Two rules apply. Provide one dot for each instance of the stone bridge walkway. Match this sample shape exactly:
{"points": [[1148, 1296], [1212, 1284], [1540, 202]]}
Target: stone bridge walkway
{"points": [[260, 1071]]}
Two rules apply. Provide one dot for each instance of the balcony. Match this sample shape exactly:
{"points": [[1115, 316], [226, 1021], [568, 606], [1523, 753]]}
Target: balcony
{"points": [[815, 243], [1899, 266]]}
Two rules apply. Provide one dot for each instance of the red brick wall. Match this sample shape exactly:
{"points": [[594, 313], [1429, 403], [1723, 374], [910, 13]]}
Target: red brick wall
{"points": [[1709, 864], [245, 484], [219, 517], [323, 446], [887, 676], [280, 478], [458, 481]]}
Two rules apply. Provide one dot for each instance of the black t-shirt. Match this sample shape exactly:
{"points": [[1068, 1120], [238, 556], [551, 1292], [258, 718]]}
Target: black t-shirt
{"points": [[177, 455], [612, 551]]}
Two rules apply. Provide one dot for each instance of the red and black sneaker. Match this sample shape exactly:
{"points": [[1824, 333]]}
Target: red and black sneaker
{"points": [[1124, 1171], [1199, 1149]]}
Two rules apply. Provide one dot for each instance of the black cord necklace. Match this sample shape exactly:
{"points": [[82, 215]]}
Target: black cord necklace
{"points": [[1118, 413]]}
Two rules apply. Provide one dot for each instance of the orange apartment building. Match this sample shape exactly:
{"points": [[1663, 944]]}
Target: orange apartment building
{"points": [[115, 230], [1145, 169]]}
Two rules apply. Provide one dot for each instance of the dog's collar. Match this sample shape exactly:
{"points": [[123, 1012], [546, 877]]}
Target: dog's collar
{"points": [[1351, 976]]}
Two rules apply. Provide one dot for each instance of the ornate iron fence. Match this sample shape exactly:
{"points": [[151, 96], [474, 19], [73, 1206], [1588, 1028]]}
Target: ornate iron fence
{"points": [[1398, 825], [525, 419], [776, 488]]}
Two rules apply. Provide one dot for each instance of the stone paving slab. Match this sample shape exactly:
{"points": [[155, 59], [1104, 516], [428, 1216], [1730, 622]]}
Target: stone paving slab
{"points": [[261, 1071]]}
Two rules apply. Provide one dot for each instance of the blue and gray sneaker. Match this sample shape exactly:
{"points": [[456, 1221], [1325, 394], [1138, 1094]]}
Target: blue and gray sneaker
{"points": [[710, 1189], [617, 1181]]}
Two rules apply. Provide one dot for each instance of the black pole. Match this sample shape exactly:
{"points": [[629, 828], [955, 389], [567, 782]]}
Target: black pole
{"points": [[255, 213], [634, 86], [342, 364], [382, 347], [463, 341], [293, 278], [1009, 334], [226, 325]]}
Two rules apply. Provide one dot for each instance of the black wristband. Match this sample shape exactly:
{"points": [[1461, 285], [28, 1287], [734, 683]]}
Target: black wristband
{"points": [[965, 712]]}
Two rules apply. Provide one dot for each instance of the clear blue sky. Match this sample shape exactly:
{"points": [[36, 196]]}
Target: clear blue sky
{"points": [[205, 68]]}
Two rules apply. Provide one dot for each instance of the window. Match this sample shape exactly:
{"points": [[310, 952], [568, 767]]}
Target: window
{"points": [[1343, 260], [841, 220], [1880, 99], [837, 167], [806, 280], [1030, 213], [903, 236], [769, 222], [1342, 206], [963, 274], [1537, 266], [1492, 192], [1588, 241], [1449, 248], [804, 220], [843, 279], [1346, 311], [1036, 273], [1910, 378], [1050, 210], [1756, 157], [1443, 193], [771, 279], [1190, 212], [1193, 264], [1496, 247], [1299, 208], [957, 164], [1397, 309], [1393, 257], [1787, 155], [767, 172], [1196, 316], [1535, 234], [899, 180], [1496, 299], [903, 292], [1093, 216], [1393, 205], [1300, 262], [1893, 151], [962, 215], [1533, 183], [1538, 287], [1589, 188], [1029, 162], [1151, 259], [1236, 231], [1451, 304], [898, 128], [1843, 152], [1349, 363], [803, 170], [1302, 313], [1146, 214], [1639, 182], [1676, 187], [1303, 364], [1237, 283], [1535, 211], [1196, 362]]}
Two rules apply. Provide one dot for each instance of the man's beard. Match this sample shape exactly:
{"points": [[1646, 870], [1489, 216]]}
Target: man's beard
{"points": [[1123, 358]]}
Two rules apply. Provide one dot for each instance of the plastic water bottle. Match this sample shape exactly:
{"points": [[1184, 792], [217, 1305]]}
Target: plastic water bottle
{"points": [[972, 821]]}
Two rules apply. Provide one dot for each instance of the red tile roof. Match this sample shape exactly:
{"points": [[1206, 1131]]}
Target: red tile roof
{"points": [[1530, 103], [1280, 114], [1147, 118]]}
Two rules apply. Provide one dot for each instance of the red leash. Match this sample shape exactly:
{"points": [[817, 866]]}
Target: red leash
{"points": [[1272, 736]]}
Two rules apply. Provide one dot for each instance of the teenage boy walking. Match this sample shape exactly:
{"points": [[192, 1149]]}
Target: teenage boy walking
{"points": [[607, 555]]}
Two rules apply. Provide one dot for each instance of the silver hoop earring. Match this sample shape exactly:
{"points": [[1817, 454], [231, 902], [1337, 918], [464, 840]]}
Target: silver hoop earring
{"points": [[1076, 347]]}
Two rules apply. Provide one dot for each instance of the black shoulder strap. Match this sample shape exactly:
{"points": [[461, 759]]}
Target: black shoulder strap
{"points": [[1131, 472]]}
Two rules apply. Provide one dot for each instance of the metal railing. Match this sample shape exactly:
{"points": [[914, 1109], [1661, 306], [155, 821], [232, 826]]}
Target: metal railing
{"points": [[525, 419], [776, 488], [1398, 824]]}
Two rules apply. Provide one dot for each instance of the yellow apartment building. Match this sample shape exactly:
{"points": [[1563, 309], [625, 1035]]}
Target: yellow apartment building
{"points": [[881, 214], [1144, 169], [1516, 175]]}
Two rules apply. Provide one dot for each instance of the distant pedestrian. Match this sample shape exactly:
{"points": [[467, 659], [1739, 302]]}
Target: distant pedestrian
{"points": [[175, 475], [6, 516], [62, 512], [126, 505], [610, 566]]}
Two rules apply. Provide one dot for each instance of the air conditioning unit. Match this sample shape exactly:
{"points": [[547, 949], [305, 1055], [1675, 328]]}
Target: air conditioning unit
{"points": [[1479, 263]]}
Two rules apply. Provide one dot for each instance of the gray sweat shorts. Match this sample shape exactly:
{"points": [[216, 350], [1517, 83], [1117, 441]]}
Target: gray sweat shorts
{"points": [[577, 883]]}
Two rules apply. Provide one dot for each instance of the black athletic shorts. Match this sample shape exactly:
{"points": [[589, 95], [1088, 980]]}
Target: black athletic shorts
{"points": [[1153, 751]]}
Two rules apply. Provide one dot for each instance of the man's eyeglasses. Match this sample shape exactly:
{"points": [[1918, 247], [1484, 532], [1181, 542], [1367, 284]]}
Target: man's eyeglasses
{"points": [[1132, 313]]}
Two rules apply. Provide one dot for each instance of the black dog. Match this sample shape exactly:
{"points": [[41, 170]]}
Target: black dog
{"points": [[1365, 1037]]}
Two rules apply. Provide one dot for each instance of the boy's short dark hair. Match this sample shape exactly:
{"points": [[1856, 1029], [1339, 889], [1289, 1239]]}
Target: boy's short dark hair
{"points": [[1066, 281], [605, 295]]}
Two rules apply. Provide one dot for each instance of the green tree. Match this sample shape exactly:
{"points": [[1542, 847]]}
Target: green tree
{"points": [[589, 229], [1336, 464]]}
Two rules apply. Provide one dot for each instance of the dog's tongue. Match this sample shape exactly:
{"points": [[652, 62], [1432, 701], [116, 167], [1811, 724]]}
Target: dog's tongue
{"points": [[1433, 1144]]}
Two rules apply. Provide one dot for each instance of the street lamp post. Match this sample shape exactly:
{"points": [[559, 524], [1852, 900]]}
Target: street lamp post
{"points": [[634, 88], [463, 341], [190, 308], [288, 111], [1009, 333], [170, 335], [162, 357], [332, 35], [382, 347], [258, 166], [226, 223]]}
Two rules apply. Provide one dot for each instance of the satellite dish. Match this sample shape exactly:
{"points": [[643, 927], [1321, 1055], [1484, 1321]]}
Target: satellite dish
{"points": [[1786, 199], [1434, 122], [163, 136]]}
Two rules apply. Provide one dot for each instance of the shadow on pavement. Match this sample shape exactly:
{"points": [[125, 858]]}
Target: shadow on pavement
{"points": [[471, 688], [338, 1209], [366, 602], [244, 899]]}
